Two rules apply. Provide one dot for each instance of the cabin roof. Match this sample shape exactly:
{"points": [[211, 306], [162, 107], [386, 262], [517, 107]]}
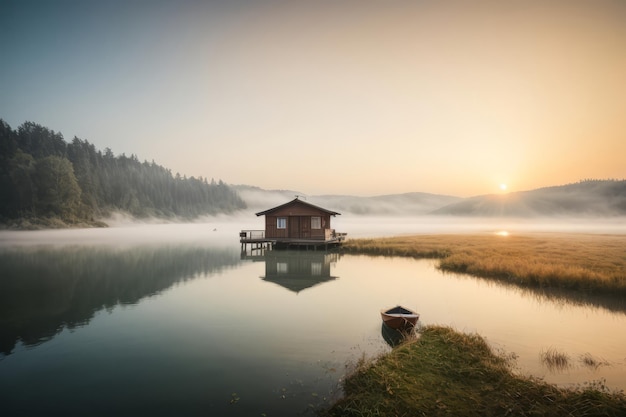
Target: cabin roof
{"points": [[300, 202]]}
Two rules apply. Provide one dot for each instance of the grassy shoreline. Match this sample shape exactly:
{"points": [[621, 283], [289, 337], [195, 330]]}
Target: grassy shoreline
{"points": [[594, 264], [444, 372]]}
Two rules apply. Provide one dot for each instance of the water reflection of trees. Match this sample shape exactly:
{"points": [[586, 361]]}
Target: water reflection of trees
{"points": [[44, 290], [559, 296]]}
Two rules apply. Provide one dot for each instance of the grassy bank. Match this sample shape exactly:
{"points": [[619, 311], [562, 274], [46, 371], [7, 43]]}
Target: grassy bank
{"points": [[591, 263], [444, 372]]}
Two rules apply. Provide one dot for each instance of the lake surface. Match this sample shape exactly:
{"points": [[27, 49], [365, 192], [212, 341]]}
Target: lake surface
{"points": [[175, 320]]}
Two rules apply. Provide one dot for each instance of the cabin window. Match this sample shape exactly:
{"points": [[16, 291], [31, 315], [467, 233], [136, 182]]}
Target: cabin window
{"points": [[281, 223], [316, 222], [316, 268]]}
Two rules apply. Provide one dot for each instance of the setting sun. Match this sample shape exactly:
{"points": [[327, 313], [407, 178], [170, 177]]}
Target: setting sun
{"points": [[503, 187]]}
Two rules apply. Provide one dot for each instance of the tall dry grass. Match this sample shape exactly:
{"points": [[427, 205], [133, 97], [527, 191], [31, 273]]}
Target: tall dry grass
{"points": [[592, 263]]}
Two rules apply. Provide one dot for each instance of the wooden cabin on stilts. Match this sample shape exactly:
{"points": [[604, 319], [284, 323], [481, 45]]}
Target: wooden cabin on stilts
{"points": [[294, 225]]}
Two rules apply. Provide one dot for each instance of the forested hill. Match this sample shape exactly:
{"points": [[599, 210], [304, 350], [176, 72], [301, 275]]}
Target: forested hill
{"points": [[590, 198], [45, 180]]}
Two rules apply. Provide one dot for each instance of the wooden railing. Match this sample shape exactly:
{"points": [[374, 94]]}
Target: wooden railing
{"points": [[251, 235], [258, 235], [332, 234]]}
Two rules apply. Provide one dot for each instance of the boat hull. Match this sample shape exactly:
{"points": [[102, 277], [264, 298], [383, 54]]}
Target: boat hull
{"points": [[399, 318]]}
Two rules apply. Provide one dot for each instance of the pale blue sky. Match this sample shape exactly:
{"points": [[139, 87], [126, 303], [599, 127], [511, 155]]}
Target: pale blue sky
{"points": [[351, 97]]}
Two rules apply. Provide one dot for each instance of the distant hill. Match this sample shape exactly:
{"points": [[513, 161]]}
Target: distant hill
{"points": [[585, 198], [393, 204], [416, 203], [590, 198]]}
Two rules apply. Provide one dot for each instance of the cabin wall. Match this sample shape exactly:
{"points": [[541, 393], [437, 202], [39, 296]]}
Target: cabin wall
{"points": [[321, 233], [298, 226], [271, 231]]}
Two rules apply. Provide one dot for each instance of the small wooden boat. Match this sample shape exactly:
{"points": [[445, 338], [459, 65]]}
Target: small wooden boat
{"points": [[399, 317]]}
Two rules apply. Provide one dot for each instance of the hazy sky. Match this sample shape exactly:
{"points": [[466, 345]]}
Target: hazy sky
{"points": [[352, 97]]}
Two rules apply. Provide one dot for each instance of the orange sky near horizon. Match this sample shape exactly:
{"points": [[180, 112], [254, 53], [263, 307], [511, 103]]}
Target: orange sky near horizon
{"points": [[354, 97]]}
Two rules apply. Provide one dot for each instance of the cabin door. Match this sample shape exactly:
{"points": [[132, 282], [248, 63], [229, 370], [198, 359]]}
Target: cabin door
{"points": [[305, 227], [294, 227], [299, 227]]}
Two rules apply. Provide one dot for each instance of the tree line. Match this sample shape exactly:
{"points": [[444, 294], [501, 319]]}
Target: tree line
{"points": [[72, 296], [44, 177]]}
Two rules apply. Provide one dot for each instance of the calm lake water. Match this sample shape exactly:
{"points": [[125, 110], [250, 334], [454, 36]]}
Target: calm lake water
{"points": [[175, 320]]}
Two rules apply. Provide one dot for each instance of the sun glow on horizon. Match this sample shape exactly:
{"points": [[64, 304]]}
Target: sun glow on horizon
{"points": [[504, 97]]}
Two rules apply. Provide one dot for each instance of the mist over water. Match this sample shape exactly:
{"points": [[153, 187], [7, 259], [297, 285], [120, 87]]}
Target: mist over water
{"points": [[357, 227], [226, 228], [216, 231]]}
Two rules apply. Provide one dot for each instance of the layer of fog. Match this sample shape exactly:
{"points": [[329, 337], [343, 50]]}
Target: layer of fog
{"points": [[224, 230], [361, 227], [384, 205], [125, 231]]}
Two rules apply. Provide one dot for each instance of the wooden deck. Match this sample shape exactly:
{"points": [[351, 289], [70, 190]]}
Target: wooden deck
{"points": [[257, 240]]}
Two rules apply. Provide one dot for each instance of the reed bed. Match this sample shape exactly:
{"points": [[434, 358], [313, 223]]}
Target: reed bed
{"points": [[591, 362], [444, 372], [555, 360], [591, 263]]}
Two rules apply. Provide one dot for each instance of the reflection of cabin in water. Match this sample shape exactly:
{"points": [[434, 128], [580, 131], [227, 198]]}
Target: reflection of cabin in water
{"points": [[298, 270], [294, 224]]}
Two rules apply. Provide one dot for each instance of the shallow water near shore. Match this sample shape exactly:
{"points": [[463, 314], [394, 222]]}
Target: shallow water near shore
{"points": [[175, 320]]}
